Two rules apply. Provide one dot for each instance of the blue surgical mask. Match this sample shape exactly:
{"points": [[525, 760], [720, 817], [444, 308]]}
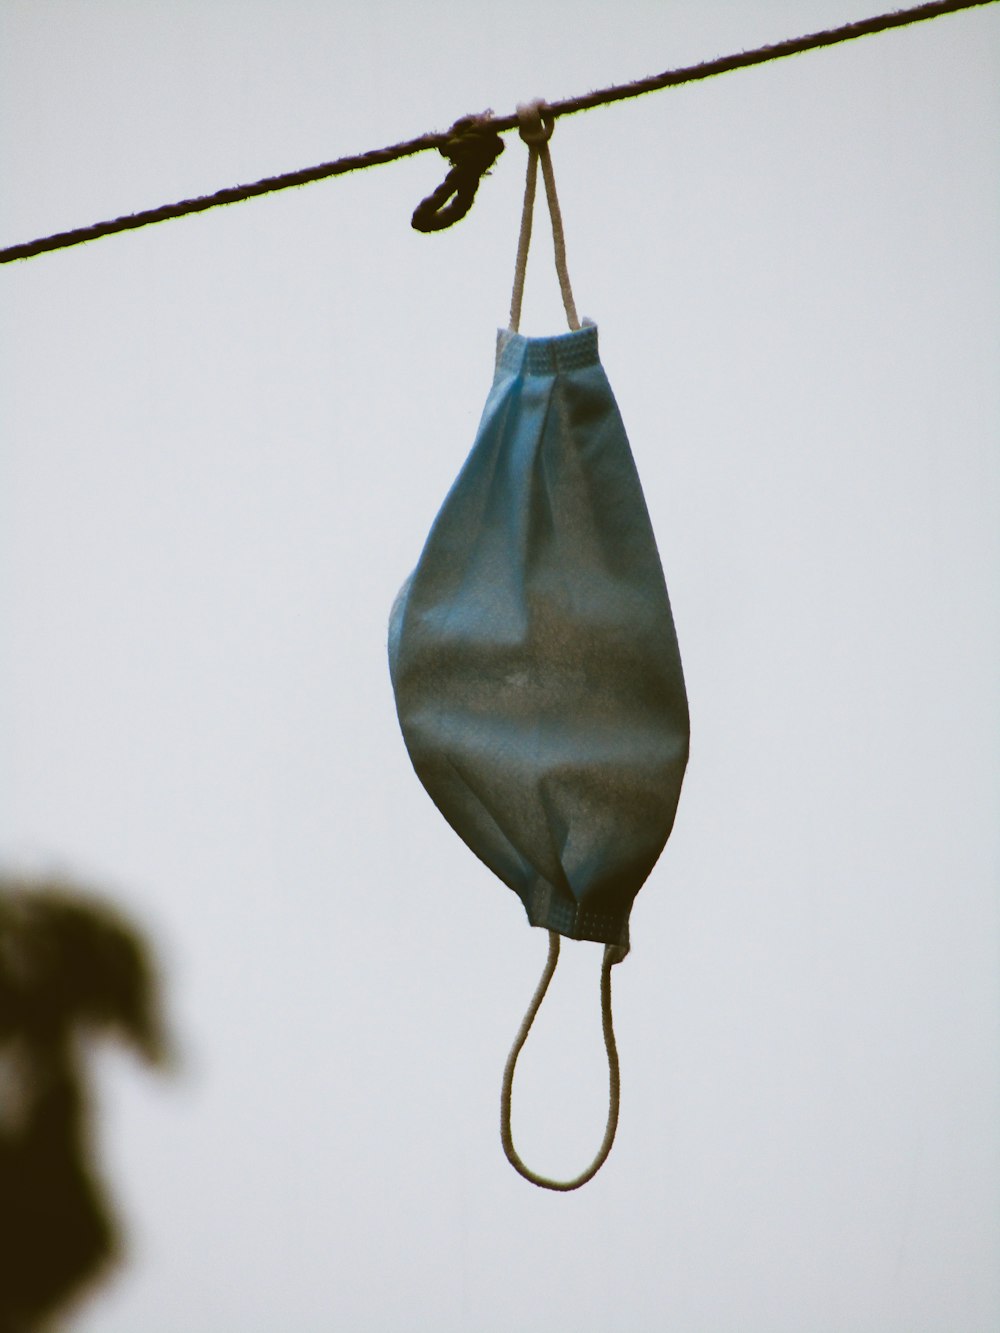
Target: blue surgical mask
{"points": [[533, 655]]}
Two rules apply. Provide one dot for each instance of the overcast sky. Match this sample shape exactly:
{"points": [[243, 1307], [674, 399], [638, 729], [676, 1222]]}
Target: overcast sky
{"points": [[224, 440]]}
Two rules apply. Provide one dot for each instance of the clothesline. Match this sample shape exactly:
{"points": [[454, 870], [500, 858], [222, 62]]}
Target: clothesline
{"points": [[472, 144]]}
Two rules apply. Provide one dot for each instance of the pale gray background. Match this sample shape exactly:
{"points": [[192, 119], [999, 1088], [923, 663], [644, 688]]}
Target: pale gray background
{"points": [[224, 440]]}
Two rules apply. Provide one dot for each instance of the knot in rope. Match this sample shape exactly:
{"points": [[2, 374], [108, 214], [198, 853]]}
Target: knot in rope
{"points": [[472, 147]]}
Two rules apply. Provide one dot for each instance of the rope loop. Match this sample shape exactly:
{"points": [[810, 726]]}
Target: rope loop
{"points": [[472, 147], [535, 122], [612, 954]]}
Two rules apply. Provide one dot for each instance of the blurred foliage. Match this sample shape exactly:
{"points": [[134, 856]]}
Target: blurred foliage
{"points": [[70, 967]]}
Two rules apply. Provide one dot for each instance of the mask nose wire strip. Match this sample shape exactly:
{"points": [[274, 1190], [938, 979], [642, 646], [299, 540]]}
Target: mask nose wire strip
{"points": [[614, 1084], [536, 125]]}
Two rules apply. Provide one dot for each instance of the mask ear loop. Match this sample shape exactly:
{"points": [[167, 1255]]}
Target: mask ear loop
{"points": [[536, 125], [612, 954]]}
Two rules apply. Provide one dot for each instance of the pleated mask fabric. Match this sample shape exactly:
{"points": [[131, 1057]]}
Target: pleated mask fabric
{"points": [[533, 656]]}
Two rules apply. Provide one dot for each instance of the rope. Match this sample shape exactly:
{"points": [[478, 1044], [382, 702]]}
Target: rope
{"points": [[603, 97], [536, 130], [611, 954], [897, 18]]}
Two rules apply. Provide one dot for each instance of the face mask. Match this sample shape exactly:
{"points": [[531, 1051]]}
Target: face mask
{"points": [[533, 655]]}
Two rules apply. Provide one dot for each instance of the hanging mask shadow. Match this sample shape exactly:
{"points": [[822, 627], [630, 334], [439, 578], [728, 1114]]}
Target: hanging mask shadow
{"points": [[533, 655]]}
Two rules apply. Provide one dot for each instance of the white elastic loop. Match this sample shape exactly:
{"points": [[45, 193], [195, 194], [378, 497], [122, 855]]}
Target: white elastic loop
{"points": [[523, 241], [611, 953], [536, 130], [558, 238]]}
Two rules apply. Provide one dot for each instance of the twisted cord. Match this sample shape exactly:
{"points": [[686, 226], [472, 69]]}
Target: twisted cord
{"points": [[612, 954], [235, 194], [898, 18], [570, 106]]}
